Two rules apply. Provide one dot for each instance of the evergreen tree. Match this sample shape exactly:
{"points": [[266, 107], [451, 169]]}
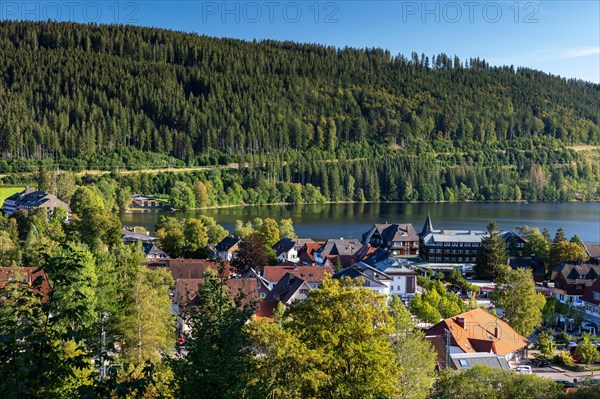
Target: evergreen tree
{"points": [[217, 364], [493, 256]]}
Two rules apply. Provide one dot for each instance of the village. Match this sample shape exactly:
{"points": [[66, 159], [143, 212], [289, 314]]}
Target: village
{"points": [[463, 325], [391, 259]]}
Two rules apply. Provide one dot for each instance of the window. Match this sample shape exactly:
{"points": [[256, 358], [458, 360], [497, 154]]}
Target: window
{"points": [[311, 274], [258, 285], [410, 285], [463, 363], [597, 296], [303, 291], [302, 275], [262, 295]]}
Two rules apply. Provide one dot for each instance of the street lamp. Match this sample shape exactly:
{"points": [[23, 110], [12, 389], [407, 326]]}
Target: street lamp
{"points": [[103, 319]]}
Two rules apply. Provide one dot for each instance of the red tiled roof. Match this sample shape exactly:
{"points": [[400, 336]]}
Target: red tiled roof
{"points": [[476, 327], [188, 268], [266, 309], [187, 290], [310, 274], [28, 273]]}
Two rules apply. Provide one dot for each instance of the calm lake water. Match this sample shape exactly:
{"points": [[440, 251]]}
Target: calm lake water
{"points": [[322, 221]]}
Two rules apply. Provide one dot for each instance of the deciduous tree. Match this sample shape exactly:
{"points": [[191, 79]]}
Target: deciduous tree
{"points": [[522, 305]]}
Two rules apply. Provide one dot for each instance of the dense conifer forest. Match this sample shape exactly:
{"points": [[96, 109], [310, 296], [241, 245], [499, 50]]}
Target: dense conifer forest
{"points": [[357, 124]]}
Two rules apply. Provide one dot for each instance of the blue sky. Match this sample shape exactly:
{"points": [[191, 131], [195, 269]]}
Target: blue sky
{"points": [[559, 37]]}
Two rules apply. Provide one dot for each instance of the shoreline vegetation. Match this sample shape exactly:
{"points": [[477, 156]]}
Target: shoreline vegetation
{"points": [[131, 209]]}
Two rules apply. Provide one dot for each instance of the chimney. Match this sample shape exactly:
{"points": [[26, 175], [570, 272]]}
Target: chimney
{"points": [[496, 330], [460, 321]]}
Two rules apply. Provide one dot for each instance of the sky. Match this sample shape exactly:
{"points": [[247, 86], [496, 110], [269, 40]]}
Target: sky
{"points": [[558, 37]]}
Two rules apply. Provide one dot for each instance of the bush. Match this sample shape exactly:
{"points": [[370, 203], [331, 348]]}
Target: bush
{"points": [[565, 358], [563, 337], [545, 344]]}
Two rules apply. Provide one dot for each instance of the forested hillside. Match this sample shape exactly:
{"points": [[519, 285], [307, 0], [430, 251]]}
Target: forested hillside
{"points": [[425, 128]]}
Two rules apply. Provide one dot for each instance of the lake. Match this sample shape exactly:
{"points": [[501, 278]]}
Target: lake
{"points": [[322, 221]]}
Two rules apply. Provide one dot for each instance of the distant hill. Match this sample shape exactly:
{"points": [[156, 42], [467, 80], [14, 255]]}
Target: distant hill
{"points": [[117, 95]]}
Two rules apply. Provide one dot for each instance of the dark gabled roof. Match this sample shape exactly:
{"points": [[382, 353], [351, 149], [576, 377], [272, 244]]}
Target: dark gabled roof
{"points": [[593, 250], [399, 232], [283, 245], [227, 243], [377, 256], [287, 244], [128, 234], [31, 198], [364, 271], [393, 232], [340, 247], [285, 289], [536, 265], [578, 272], [588, 294], [251, 273], [151, 249]]}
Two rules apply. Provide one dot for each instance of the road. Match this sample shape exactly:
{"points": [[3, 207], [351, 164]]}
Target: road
{"points": [[557, 373]]}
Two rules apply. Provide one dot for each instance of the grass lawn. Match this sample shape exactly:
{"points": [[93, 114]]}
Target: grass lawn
{"points": [[6, 192]]}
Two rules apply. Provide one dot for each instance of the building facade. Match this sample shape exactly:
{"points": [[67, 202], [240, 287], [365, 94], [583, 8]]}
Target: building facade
{"points": [[399, 239]]}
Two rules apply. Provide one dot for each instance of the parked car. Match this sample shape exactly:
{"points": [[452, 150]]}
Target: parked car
{"points": [[565, 383], [540, 362], [523, 369]]}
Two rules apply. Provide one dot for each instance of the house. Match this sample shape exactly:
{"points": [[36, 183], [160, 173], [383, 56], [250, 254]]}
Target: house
{"points": [[313, 275], [185, 297], [147, 202], [478, 331], [591, 299], [287, 249], [462, 361], [227, 248], [399, 239], [536, 265], [306, 254], [340, 252], [153, 252], [404, 279], [262, 285], [190, 268], [130, 235], [458, 246], [24, 275], [30, 199], [373, 279], [573, 277], [592, 250], [289, 289]]}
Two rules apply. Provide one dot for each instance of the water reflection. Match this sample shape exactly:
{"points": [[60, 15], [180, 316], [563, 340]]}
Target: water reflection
{"points": [[320, 221]]}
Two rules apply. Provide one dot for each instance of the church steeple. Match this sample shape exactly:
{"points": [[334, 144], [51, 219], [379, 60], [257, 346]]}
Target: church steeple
{"points": [[427, 227]]}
